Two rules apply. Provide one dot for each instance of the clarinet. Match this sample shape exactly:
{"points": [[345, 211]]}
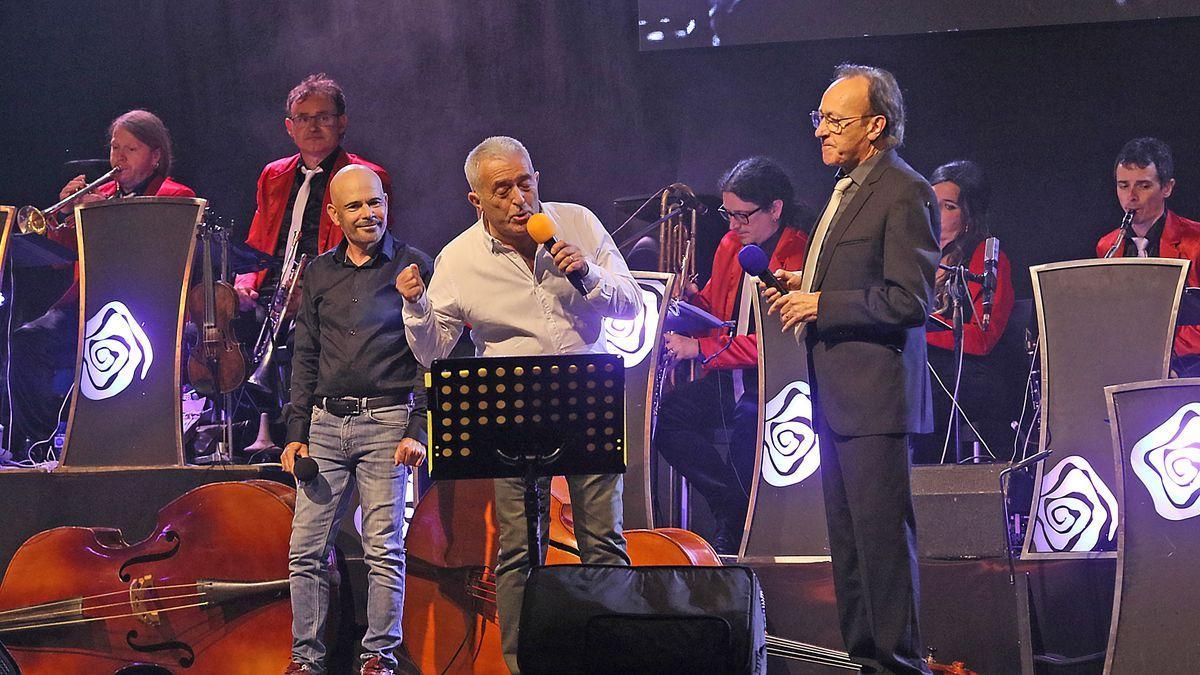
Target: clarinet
{"points": [[1122, 234]]}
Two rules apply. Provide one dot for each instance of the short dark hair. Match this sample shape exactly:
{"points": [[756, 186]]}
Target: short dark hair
{"points": [[760, 180], [318, 84], [149, 129], [1142, 152], [884, 98]]}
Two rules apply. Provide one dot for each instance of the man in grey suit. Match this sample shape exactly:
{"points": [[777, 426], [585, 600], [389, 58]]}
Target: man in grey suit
{"points": [[862, 302]]}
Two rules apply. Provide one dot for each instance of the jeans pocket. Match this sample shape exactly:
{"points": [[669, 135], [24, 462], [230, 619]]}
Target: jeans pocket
{"points": [[391, 416], [316, 415]]}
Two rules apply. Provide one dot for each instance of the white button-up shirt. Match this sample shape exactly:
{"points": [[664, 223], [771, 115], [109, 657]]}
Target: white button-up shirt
{"points": [[512, 311]]}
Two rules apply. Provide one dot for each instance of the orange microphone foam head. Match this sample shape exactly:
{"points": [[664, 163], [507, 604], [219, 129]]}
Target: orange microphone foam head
{"points": [[540, 228]]}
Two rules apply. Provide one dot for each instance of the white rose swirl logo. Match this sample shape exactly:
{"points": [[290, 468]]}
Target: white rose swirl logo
{"points": [[631, 339], [1167, 461], [790, 449], [115, 350], [1076, 511]]}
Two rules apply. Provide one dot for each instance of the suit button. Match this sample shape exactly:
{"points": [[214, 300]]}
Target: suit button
{"points": [[353, 333]]}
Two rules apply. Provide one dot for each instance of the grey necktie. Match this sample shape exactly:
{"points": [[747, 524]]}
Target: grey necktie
{"points": [[818, 238], [1141, 243]]}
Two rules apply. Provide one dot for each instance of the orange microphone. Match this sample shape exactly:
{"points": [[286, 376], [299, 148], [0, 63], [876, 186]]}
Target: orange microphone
{"points": [[541, 229]]}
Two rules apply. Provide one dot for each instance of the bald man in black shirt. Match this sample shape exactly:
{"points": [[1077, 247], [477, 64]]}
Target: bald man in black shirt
{"points": [[358, 410]]}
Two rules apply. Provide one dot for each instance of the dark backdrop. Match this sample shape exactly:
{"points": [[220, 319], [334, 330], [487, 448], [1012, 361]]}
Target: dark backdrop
{"points": [[1044, 110]]}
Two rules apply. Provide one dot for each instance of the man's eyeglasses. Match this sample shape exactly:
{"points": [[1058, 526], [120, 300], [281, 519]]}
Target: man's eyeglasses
{"points": [[836, 125], [322, 119], [737, 216]]}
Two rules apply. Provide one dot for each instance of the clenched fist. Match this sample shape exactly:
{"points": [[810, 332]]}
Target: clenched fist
{"points": [[410, 284]]}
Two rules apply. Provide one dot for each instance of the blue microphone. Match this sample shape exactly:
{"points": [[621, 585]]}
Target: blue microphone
{"points": [[754, 261]]}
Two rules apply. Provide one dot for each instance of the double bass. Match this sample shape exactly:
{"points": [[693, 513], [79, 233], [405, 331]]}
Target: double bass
{"points": [[450, 622], [204, 593]]}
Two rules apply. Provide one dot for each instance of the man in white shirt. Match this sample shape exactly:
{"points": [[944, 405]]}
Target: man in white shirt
{"points": [[517, 299]]}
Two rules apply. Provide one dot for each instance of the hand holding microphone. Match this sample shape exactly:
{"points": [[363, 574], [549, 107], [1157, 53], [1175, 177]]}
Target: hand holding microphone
{"points": [[567, 257], [295, 460]]}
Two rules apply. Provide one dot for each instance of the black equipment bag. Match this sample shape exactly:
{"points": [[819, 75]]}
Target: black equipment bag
{"points": [[656, 619]]}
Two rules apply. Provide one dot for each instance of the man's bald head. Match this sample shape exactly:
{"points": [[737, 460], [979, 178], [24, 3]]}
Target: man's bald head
{"points": [[358, 204]]}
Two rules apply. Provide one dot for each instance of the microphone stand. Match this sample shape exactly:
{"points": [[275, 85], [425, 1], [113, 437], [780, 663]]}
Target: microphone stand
{"points": [[959, 296]]}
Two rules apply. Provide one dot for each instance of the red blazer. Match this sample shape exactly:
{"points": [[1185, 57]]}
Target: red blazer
{"points": [[159, 187], [976, 341], [1180, 239], [719, 294], [274, 187]]}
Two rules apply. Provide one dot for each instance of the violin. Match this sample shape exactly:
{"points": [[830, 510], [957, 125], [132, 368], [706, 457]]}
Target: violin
{"points": [[204, 593], [216, 364]]}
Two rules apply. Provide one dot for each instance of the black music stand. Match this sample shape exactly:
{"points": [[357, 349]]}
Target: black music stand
{"points": [[527, 417]]}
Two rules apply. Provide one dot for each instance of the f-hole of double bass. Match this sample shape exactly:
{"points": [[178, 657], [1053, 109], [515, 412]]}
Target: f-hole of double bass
{"points": [[169, 536]]}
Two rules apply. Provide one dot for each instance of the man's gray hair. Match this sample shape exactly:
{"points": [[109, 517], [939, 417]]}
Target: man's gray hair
{"points": [[884, 97], [495, 147]]}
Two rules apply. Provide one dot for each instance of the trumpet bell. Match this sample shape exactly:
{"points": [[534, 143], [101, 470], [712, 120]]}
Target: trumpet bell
{"points": [[31, 220]]}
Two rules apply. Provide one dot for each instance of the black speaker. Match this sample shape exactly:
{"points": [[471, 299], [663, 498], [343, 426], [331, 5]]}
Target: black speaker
{"points": [[960, 511], [659, 619]]}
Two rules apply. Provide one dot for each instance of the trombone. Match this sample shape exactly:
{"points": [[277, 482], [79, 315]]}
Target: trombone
{"points": [[30, 219]]}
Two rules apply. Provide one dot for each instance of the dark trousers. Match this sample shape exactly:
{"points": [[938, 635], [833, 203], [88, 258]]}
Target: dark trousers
{"points": [[42, 367], [687, 418], [873, 544]]}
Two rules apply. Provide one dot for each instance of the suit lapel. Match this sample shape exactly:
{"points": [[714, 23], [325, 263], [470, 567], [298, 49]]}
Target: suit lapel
{"points": [[838, 229]]}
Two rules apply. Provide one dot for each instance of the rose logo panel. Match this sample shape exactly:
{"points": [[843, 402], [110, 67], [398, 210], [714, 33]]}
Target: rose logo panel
{"points": [[1076, 511], [1167, 461], [790, 450], [115, 351], [632, 339]]}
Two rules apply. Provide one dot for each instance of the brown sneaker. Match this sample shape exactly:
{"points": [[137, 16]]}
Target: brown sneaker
{"points": [[376, 666], [297, 668]]}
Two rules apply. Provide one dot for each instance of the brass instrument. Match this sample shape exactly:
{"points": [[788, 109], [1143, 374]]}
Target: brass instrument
{"points": [[677, 237], [276, 323], [30, 219]]}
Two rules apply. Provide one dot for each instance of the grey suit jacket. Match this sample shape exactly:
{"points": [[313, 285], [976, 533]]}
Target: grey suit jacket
{"points": [[875, 275]]}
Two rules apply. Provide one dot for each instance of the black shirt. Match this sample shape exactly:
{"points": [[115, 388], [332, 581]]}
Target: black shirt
{"points": [[310, 221], [350, 334], [1153, 237]]}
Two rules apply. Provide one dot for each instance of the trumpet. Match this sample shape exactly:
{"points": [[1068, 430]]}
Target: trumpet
{"points": [[31, 219], [276, 323]]}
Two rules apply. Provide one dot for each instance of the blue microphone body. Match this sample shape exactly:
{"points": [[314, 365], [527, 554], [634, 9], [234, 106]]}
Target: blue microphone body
{"points": [[754, 261]]}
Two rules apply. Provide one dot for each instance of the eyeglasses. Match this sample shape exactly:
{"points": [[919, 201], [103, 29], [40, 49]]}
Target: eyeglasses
{"points": [[322, 119], [836, 125], [737, 216]]}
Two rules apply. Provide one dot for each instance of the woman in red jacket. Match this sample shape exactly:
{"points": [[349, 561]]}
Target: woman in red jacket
{"points": [[43, 350], [963, 196]]}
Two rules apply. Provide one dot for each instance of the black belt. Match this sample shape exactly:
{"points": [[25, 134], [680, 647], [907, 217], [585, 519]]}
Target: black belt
{"points": [[348, 406]]}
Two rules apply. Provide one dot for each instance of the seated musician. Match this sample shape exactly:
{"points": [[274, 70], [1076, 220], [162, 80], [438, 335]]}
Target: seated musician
{"points": [[44, 350], [759, 204], [293, 196], [1145, 177], [963, 197]]}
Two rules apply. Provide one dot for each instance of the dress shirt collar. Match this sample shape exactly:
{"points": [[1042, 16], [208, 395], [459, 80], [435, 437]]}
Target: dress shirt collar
{"points": [[859, 173], [386, 248]]}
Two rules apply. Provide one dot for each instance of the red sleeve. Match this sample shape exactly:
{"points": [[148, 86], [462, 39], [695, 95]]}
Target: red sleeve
{"points": [[257, 224], [976, 341], [742, 352]]}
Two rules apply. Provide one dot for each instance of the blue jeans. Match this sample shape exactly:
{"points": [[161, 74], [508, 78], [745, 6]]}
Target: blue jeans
{"points": [[350, 450]]}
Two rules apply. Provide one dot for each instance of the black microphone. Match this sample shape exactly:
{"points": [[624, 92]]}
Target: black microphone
{"points": [[688, 197], [305, 469], [754, 262], [541, 229], [991, 257]]}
